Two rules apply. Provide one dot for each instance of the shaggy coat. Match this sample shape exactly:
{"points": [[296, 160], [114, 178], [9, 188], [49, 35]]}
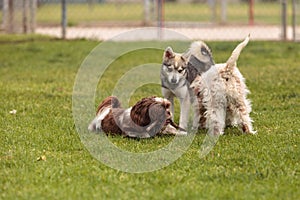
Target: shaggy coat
{"points": [[145, 119], [222, 95]]}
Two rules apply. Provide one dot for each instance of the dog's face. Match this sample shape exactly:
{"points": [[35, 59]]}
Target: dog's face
{"points": [[174, 66]]}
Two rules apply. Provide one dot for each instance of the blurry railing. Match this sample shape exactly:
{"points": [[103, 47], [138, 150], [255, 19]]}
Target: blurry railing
{"points": [[25, 15]]}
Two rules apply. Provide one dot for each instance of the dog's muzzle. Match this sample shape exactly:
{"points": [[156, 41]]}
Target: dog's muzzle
{"points": [[173, 80]]}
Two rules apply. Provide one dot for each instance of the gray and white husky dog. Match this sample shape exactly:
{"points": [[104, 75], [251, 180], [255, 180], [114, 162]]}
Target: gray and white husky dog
{"points": [[178, 71]]}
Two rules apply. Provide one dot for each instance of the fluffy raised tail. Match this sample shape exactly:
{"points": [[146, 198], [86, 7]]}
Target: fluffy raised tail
{"points": [[231, 62]]}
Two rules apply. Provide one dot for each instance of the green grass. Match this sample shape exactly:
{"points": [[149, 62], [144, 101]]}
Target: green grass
{"points": [[37, 77], [237, 13], [133, 13], [82, 14]]}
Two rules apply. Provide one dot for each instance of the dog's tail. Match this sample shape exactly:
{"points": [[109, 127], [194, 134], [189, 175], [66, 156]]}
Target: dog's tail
{"points": [[231, 62]]}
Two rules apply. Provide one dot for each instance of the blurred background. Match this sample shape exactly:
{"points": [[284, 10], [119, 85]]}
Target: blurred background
{"points": [[197, 19]]}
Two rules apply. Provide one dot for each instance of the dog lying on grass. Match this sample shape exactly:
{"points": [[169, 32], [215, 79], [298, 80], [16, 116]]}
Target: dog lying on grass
{"points": [[145, 119], [222, 93]]}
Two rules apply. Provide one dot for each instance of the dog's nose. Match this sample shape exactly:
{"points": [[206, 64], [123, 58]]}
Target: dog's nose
{"points": [[173, 80]]}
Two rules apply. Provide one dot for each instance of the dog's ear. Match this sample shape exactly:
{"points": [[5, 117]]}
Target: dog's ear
{"points": [[157, 115], [169, 53]]}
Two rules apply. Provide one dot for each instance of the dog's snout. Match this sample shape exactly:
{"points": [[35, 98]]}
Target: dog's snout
{"points": [[173, 80]]}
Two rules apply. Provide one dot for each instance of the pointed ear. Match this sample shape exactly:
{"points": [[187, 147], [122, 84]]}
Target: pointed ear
{"points": [[169, 53]]}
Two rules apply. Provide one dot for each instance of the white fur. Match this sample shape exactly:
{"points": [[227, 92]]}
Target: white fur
{"points": [[183, 94], [175, 85], [96, 123], [224, 95], [159, 99], [126, 115]]}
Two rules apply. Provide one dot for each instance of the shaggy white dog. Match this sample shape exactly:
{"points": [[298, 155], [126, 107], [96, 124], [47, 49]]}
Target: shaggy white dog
{"points": [[222, 93]]}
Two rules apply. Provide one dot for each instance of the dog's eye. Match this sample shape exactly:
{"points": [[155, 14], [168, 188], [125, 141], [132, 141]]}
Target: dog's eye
{"points": [[204, 51], [180, 70], [169, 67]]}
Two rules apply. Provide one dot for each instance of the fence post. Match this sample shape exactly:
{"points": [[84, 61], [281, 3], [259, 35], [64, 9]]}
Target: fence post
{"points": [[146, 12], [251, 12], [32, 22], [25, 16], [4, 14], [160, 17], [64, 18], [294, 20], [283, 15], [223, 11], [213, 7], [10, 16]]}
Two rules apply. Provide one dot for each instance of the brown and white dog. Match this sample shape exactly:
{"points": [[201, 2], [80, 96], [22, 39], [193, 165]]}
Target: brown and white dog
{"points": [[148, 117]]}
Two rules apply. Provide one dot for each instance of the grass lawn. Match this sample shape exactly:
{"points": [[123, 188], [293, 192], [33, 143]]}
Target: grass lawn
{"points": [[82, 14], [42, 156]]}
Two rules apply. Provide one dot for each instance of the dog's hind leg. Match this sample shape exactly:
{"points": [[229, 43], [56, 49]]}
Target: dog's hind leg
{"points": [[197, 116], [216, 115], [245, 122]]}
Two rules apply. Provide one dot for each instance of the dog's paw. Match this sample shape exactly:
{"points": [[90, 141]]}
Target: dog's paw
{"points": [[253, 132], [181, 133], [170, 130], [92, 127]]}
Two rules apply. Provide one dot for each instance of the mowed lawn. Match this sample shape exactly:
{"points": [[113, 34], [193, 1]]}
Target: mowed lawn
{"points": [[42, 157], [124, 13]]}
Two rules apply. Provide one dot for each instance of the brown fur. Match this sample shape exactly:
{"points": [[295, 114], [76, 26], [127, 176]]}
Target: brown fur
{"points": [[148, 111], [109, 102], [109, 124], [147, 116]]}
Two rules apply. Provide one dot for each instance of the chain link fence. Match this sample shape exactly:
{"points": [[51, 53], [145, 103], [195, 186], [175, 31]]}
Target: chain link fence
{"points": [[267, 19]]}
